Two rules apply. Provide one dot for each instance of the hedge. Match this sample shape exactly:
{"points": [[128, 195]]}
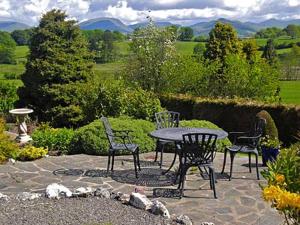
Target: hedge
{"points": [[236, 114]]}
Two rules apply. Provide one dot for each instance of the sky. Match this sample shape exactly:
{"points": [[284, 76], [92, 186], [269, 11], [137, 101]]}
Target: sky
{"points": [[133, 11]]}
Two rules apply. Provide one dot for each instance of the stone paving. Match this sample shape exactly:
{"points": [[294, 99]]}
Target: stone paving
{"points": [[239, 200]]}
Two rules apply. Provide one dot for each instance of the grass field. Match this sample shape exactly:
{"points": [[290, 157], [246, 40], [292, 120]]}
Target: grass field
{"points": [[290, 90]]}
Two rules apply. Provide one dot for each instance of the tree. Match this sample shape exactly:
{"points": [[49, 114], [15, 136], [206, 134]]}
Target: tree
{"points": [[185, 34], [106, 51], [7, 48], [58, 64], [250, 49], [152, 51], [223, 41], [199, 51], [269, 52], [293, 30], [21, 37]]}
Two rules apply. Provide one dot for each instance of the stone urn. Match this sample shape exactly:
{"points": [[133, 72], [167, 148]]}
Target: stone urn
{"points": [[21, 114]]}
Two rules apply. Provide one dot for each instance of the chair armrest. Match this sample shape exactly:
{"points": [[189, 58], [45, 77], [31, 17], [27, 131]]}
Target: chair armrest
{"points": [[236, 134], [249, 137]]}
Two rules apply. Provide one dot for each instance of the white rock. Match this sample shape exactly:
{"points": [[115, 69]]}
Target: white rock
{"points": [[140, 201], [4, 197], [24, 196], [11, 160], [102, 193], [207, 223], [57, 190], [183, 219], [159, 208], [124, 198], [83, 192]]}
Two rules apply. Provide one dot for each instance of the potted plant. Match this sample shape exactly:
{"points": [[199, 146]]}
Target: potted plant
{"points": [[269, 148]]}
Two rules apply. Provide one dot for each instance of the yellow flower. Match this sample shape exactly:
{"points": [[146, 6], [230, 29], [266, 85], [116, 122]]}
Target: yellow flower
{"points": [[270, 192], [279, 178]]}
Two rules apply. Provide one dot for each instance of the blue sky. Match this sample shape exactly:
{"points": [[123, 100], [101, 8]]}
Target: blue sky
{"points": [[132, 11]]}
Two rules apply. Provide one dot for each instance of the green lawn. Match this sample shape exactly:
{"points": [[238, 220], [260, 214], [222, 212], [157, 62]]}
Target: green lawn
{"points": [[290, 92]]}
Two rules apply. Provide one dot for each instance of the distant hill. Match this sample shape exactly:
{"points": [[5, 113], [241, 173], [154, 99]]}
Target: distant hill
{"points": [[105, 24], [10, 26], [278, 23], [144, 24]]}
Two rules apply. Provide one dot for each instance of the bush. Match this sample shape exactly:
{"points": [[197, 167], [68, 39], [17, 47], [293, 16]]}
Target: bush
{"points": [[91, 139], [203, 123], [270, 128], [8, 96], [54, 139], [31, 153], [283, 187], [8, 149], [11, 76]]}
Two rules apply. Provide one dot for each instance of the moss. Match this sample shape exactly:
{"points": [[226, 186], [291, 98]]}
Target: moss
{"points": [[270, 128]]}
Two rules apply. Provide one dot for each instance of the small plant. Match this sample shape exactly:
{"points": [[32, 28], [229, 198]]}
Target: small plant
{"points": [[283, 177], [268, 142], [31, 153]]}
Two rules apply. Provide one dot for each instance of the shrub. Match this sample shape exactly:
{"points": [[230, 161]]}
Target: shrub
{"points": [[31, 153], [8, 149], [203, 123], [270, 128], [283, 187], [54, 139], [91, 139], [8, 96], [11, 76]]}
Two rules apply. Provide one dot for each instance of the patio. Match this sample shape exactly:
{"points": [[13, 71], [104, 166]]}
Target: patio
{"points": [[239, 200]]}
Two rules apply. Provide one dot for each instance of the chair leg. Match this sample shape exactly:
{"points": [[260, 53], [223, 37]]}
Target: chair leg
{"points": [[213, 181], [224, 161], [249, 155], [138, 158], [256, 162], [182, 180], [135, 166], [156, 150], [232, 155], [108, 163], [113, 161]]}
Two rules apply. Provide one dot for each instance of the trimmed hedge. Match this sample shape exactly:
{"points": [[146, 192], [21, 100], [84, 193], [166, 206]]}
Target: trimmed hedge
{"points": [[91, 139], [236, 114]]}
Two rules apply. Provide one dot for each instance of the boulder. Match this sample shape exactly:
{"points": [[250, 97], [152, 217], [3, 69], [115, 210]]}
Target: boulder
{"points": [[124, 198], [140, 201], [102, 193], [159, 208], [3, 197], [57, 190], [83, 192], [28, 196], [184, 219]]}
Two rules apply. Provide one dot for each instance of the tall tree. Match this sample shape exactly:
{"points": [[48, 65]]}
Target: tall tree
{"points": [[250, 49], [293, 30], [185, 34], [270, 52], [21, 37], [7, 48], [223, 41], [106, 52], [58, 63]]}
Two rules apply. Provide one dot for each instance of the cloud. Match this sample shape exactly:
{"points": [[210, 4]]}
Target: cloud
{"points": [[130, 11]]}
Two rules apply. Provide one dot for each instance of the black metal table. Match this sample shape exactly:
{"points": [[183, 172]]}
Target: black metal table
{"points": [[175, 134]]}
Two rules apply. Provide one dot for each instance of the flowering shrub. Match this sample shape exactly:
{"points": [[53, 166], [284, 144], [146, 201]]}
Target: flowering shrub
{"points": [[31, 153], [270, 142], [283, 188]]}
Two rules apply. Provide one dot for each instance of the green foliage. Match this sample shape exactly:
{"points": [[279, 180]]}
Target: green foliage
{"points": [[249, 48], [293, 30], [11, 76], [221, 144], [151, 49], [7, 48], [91, 139], [270, 32], [269, 52], [8, 148], [53, 139], [185, 34], [223, 41], [199, 51], [59, 62], [270, 128], [290, 63], [29, 153], [268, 142], [8, 96], [106, 51], [21, 37], [115, 99]]}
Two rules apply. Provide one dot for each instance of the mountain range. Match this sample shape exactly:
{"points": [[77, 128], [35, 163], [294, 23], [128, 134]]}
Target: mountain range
{"points": [[201, 28]]}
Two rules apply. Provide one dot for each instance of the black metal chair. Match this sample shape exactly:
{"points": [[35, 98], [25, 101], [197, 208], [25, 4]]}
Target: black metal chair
{"points": [[198, 149], [124, 144], [165, 119], [245, 142]]}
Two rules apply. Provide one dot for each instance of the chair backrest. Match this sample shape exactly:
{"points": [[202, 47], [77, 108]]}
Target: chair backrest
{"points": [[108, 130], [199, 148], [167, 119]]}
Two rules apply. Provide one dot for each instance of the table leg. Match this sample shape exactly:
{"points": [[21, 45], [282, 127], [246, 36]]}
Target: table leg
{"points": [[172, 164]]}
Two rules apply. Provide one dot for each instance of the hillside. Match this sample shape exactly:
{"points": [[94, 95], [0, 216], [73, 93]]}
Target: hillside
{"points": [[144, 24], [105, 24], [10, 26]]}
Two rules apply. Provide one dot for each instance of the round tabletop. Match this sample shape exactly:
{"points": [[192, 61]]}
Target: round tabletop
{"points": [[175, 133]]}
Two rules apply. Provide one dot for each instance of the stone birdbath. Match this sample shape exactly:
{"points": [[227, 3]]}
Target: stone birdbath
{"points": [[21, 114]]}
